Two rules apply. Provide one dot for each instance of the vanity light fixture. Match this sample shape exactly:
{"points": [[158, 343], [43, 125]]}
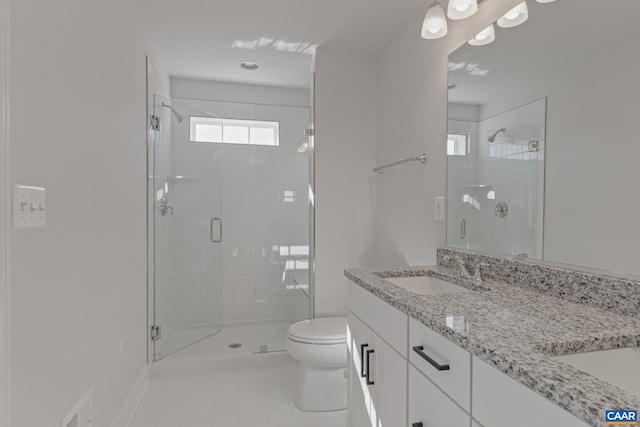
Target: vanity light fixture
{"points": [[484, 37], [461, 9], [435, 22], [516, 16]]}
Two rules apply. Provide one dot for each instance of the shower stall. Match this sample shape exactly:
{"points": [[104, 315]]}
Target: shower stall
{"points": [[230, 215]]}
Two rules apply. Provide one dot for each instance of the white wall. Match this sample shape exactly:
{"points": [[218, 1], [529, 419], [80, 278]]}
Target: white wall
{"points": [[412, 119], [233, 92], [345, 120], [4, 215], [77, 286]]}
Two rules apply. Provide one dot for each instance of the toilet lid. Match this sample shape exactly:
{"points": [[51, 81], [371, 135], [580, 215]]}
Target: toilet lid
{"points": [[326, 330]]}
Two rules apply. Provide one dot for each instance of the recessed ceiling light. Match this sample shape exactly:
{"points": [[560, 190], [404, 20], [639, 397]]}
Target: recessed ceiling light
{"points": [[249, 65]]}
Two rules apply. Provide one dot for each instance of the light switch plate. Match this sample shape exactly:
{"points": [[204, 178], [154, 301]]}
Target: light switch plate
{"points": [[29, 207], [438, 209]]}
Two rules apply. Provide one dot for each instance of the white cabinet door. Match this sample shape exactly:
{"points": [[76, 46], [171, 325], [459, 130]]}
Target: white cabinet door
{"points": [[385, 320], [390, 378], [430, 406], [500, 401], [456, 379], [361, 395]]}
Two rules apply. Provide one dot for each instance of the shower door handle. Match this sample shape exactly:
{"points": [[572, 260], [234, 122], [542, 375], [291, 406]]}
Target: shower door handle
{"points": [[219, 230]]}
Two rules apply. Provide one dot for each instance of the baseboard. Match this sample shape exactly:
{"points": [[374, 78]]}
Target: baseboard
{"points": [[134, 397], [197, 365]]}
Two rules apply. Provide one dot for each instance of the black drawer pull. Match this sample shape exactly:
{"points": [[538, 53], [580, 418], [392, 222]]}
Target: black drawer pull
{"points": [[362, 373], [417, 424], [420, 350], [369, 353]]}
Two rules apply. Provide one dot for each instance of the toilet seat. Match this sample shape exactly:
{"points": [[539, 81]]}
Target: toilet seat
{"points": [[321, 331]]}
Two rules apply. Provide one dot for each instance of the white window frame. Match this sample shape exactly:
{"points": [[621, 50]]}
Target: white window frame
{"points": [[467, 143], [249, 124]]}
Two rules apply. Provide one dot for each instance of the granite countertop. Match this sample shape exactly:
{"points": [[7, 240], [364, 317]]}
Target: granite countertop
{"points": [[517, 331]]}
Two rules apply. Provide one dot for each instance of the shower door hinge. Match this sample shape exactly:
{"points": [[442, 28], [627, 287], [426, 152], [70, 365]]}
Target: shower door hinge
{"points": [[155, 122], [308, 132], [155, 333]]}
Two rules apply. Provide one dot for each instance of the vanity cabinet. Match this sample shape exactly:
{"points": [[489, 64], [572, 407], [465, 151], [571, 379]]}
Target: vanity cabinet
{"points": [[444, 363], [377, 378], [377, 371], [500, 401], [402, 373], [430, 406], [439, 379]]}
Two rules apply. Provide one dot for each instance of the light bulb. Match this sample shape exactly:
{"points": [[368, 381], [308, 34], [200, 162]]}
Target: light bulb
{"points": [[461, 9], [435, 22], [484, 37], [512, 15], [515, 16]]}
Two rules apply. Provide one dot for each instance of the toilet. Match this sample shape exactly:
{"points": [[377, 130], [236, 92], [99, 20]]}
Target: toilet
{"points": [[321, 347]]}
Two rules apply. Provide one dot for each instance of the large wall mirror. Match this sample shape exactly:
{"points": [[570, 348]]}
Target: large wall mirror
{"points": [[544, 138]]}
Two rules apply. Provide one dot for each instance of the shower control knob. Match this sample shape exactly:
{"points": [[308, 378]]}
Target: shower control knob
{"points": [[502, 210], [164, 206]]}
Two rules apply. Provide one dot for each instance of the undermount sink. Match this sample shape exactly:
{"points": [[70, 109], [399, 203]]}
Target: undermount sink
{"points": [[426, 285], [620, 367]]}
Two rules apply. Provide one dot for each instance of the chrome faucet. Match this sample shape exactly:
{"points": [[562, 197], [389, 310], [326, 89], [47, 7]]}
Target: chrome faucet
{"points": [[464, 268]]}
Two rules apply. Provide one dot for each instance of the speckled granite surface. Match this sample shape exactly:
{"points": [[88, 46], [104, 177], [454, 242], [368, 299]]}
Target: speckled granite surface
{"points": [[591, 288], [518, 330]]}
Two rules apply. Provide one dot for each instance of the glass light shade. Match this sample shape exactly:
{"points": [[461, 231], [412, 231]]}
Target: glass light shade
{"points": [[435, 22], [461, 9], [484, 37], [516, 16]]}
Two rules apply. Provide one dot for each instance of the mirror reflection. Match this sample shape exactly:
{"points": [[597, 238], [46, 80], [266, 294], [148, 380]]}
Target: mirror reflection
{"points": [[542, 146]]}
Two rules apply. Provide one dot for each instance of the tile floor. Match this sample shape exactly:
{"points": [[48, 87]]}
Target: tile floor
{"points": [[261, 397]]}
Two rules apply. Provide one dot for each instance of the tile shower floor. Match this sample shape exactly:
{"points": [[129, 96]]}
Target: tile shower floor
{"points": [[259, 397], [251, 337]]}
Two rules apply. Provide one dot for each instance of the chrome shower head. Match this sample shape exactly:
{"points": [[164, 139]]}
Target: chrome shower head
{"points": [[179, 117], [492, 138]]}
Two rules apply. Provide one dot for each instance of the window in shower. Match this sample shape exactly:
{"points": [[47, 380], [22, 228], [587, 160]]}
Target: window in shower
{"points": [[234, 131], [457, 145]]}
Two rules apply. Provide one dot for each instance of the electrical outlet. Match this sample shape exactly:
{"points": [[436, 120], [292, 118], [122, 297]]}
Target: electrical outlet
{"points": [[29, 207]]}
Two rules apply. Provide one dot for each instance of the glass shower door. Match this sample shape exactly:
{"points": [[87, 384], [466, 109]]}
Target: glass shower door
{"points": [[188, 224]]}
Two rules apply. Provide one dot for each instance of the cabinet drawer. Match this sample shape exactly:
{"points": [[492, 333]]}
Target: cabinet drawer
{"points": [[388, 322], [430, 406], [500, 401], [456, 381]]}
